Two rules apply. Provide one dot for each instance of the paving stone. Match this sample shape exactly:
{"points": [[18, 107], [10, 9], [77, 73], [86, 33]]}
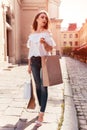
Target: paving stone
{"points": [[5, 100], [81, 117], [9, 121], [17, 104], [13, 111], [83, 127], [82, 121], [3, 107], [6, 128]]}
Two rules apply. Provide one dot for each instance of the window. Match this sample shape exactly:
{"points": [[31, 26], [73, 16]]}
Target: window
{"points": [[70, 35], [70, 43], [76, 43], [64, 43], [76, 35], [65, 35]]}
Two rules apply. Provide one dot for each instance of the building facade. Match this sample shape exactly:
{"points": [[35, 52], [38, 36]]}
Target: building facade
{"points": [[70, 37], [83, 34], [16, 18]]}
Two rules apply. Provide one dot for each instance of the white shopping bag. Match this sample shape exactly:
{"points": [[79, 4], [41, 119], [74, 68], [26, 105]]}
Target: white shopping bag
{"points": [[27, 90]]}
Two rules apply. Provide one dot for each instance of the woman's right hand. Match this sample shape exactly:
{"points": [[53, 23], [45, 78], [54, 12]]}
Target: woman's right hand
{"points": [[29, 69]]}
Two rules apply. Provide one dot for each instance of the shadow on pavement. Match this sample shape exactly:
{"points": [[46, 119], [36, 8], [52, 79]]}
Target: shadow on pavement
{"points": [[35, 127], [21, 124]]}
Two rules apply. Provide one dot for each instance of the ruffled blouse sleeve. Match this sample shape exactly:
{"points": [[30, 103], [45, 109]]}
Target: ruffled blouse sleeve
{"points": [[29, 42]]}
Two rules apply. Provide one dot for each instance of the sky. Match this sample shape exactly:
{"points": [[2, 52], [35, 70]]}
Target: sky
{"points": [[73, 11]]}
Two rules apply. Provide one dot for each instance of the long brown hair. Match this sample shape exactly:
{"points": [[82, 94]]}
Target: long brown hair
{"points": [[35, 20]]}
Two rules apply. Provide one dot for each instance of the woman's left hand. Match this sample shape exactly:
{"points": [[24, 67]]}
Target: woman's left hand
{"points": [[42, 40], [47, 47]]}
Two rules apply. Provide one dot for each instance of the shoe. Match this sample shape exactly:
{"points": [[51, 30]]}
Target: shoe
{"points": [[38, 123], [40, 119]]}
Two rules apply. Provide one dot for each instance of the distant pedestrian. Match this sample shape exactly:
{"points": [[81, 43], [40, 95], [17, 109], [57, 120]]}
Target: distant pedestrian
{"points": [[40, 43]]}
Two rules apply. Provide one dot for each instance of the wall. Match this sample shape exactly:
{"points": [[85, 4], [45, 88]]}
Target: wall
{"points": [[1, 35]]}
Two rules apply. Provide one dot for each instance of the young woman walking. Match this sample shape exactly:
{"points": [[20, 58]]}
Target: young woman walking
{"points": [[40, 43]]}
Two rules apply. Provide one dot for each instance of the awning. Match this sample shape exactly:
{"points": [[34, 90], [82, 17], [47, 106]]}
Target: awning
{"points": [[84, 46]]}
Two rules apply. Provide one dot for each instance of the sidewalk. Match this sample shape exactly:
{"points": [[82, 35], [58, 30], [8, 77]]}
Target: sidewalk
{"points": [[13, 106]]}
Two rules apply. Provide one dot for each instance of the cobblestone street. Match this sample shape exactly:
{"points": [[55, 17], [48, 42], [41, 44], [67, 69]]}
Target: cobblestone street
{"points": [[77, 72]]}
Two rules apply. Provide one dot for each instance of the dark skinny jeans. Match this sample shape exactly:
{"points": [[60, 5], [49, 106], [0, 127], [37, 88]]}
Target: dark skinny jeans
{"points": [[41, 91]]}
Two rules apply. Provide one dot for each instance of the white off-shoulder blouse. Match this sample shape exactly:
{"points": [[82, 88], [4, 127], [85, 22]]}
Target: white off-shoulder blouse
{"points": [[34, 45]]}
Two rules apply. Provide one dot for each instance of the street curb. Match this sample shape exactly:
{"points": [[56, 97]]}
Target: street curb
{"points": [[70, 119]]}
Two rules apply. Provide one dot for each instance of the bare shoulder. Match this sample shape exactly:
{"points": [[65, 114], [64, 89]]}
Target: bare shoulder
{"points": [[32, 33]]}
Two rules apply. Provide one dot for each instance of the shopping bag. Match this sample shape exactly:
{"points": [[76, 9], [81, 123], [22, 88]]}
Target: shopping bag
{"points": [[31, 103], [51, 70], [27, 90]]}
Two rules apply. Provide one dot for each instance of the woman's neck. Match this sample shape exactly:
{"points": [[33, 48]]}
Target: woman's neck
{"points": [[40, 29]]}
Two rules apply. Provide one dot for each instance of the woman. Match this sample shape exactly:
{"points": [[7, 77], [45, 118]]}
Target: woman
{"points": [[40, 43]]}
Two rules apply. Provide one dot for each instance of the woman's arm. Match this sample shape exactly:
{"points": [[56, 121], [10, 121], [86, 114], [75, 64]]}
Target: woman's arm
{"points": [[29, 63], [29, 66]]}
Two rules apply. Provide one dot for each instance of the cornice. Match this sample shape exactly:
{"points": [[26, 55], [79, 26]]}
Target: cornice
{"points": [[55, 1], [26, 6], [56, 20]]}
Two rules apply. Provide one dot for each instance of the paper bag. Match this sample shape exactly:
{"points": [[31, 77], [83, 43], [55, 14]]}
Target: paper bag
{"points": [[51, 70], [27, 90], [31, 102]]}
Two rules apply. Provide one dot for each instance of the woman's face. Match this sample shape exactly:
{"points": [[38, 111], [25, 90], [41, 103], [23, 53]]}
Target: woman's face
{"points": [[42, 20]]}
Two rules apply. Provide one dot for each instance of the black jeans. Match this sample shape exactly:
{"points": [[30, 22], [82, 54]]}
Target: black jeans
{"points": [[42, 92]]}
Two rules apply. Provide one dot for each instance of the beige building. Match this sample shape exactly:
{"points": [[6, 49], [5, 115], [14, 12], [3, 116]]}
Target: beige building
{"points": [[83, 34], [70, 37], [81, 52], [76, 39], [16, 18]]}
